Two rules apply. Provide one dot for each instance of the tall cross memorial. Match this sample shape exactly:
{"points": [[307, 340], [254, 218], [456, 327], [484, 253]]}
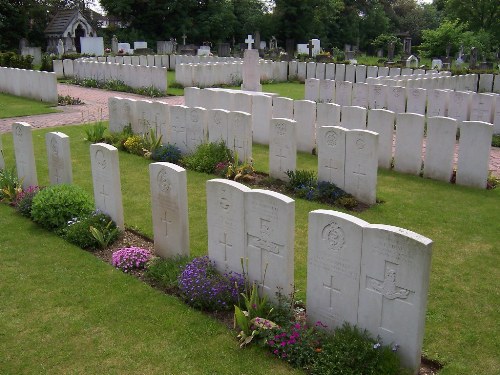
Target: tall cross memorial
{"points": [[249, 40]]}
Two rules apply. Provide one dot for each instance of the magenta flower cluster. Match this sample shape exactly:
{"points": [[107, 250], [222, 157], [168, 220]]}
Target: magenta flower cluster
{"points": [[129, 258], [203, 287]]}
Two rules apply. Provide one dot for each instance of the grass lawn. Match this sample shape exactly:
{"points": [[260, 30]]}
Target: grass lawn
{"points": [[15, 106], [54, 296]]}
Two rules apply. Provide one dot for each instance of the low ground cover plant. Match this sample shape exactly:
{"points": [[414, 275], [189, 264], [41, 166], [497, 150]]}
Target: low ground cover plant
{"points": [[130, 258], [116, 85], [24, 200], [166, 271], [207, 156]]}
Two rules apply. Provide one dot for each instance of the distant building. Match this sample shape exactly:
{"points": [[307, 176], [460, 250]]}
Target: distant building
{"points": [[68, 25]]}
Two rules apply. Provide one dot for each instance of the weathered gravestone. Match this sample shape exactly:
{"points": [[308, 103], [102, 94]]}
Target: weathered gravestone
{"points": [[282, 107], [381, 121], [353, 117], [326, 91], [282, 148], [312, 89], [474, 153], [343, 92], [331, 155], [25, 155], [217, 125], [178, 127], [373, 276], [327, 114], [460, 105], [409, 138], [121, 113], [437, 102], [196, 128], [59, 158], [270, 226], [251, 71], [361, 163], [482, 108], [144, 121], [262, 108], [304, 112], [440, 148], [226, 223], [170, 209], [239, 137], [360, 95], [416, 100], [377, 96], [396, 99], [106, 181]]}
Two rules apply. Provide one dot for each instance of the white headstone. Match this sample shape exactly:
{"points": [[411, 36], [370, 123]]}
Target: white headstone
{"points": [[304, 113], [460, 105], [396, 99], [360, 94], [333, 267], [482, 108], [474, 153], [326, 91], [416, 99], [343, 92], [226, 223], [59, 158], [331, 155], [409, 138], [170, 209], [262, 108], [330, 71], [339, 72], [381, 121], [25, 155], [92, 45], [282, 148], [437, 102], [240, 135], [106, 181], [57, 66], [395, 273], [440, 148], [218, 124], [485, 83], [377, 97], [282, 107], [196, 128], [270, 226], [361, 163], [251, 71], [178, 126], [327, 114], [301, 71], [353, 117], [160, 120], [320, 70], [350, 73], [312, 86]]}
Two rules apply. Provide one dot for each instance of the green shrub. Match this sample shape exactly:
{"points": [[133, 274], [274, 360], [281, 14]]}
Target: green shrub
{"points": [[78, 231], [166, 272], [10, 185], [118, 139], [56, 205], [47, 62], [135, 145], [167, 153], [300, 179], [24, 200], [207, 156], [495, 142], [350, 351], [95, 132]]}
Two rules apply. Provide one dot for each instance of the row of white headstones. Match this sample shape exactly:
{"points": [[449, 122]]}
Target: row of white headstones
{"points": [[29, 83], [374, 276], [460, 105]]}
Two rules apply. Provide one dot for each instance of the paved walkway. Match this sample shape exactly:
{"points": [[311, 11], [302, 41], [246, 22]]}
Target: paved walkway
{"points": [[96, 108]]}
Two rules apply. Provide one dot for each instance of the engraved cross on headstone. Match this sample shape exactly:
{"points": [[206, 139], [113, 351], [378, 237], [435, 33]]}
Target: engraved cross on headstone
{"points": [[332, 289], [249, 40], [310, 46], [359, 174], [225, 244], [330, 165], [104, 194], [166, 221], [280, 157]]}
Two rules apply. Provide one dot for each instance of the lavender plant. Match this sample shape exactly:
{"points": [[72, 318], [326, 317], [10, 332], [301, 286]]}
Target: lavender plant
{"points": [[129, 258], [203, 287]]}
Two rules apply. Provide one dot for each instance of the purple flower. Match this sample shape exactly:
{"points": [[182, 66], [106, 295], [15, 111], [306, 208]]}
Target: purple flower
{"points": [[128, 258]]}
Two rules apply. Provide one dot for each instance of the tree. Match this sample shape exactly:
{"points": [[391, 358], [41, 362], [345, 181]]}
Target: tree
{"points": [[449, 33]]}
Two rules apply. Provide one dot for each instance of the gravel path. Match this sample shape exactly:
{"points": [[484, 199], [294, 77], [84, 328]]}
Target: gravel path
{"points": [[96, 108]]}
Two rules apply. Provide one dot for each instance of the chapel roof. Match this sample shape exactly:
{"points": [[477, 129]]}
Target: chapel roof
{"points": [[61, 21]]}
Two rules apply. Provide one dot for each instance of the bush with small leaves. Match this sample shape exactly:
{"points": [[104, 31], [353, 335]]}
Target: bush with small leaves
{"points": [[78, 230], [135, 145], [206, 157], [55, 205], [130, 258]]}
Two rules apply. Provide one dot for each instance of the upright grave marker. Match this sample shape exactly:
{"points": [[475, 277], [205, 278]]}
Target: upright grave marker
{"points": [[106, 181], [59, 158], [170, 209], [353, 117], [381, 121], [409, 138], [217, 125], [282, 148], [25, 155], [331, 154], [240, 135], [196, 128], [270, 226], [304, 112], [226, 223], [178, 126]]}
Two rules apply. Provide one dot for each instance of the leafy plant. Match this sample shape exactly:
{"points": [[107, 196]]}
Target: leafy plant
{"points": [[495, 141], [10, 185], [166, 272], [167, 153], [118, 139], [24, 200], [151, 140], [68, 100], [129, 258], [239, 171], [96, 230], [95, 133], [55, 205], [352, 351], [204, 288], [207, 156]]}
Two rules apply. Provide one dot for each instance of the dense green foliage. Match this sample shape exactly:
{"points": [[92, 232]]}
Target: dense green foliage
{"points": [[207, 156], [56, 205], [13, 60]]}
